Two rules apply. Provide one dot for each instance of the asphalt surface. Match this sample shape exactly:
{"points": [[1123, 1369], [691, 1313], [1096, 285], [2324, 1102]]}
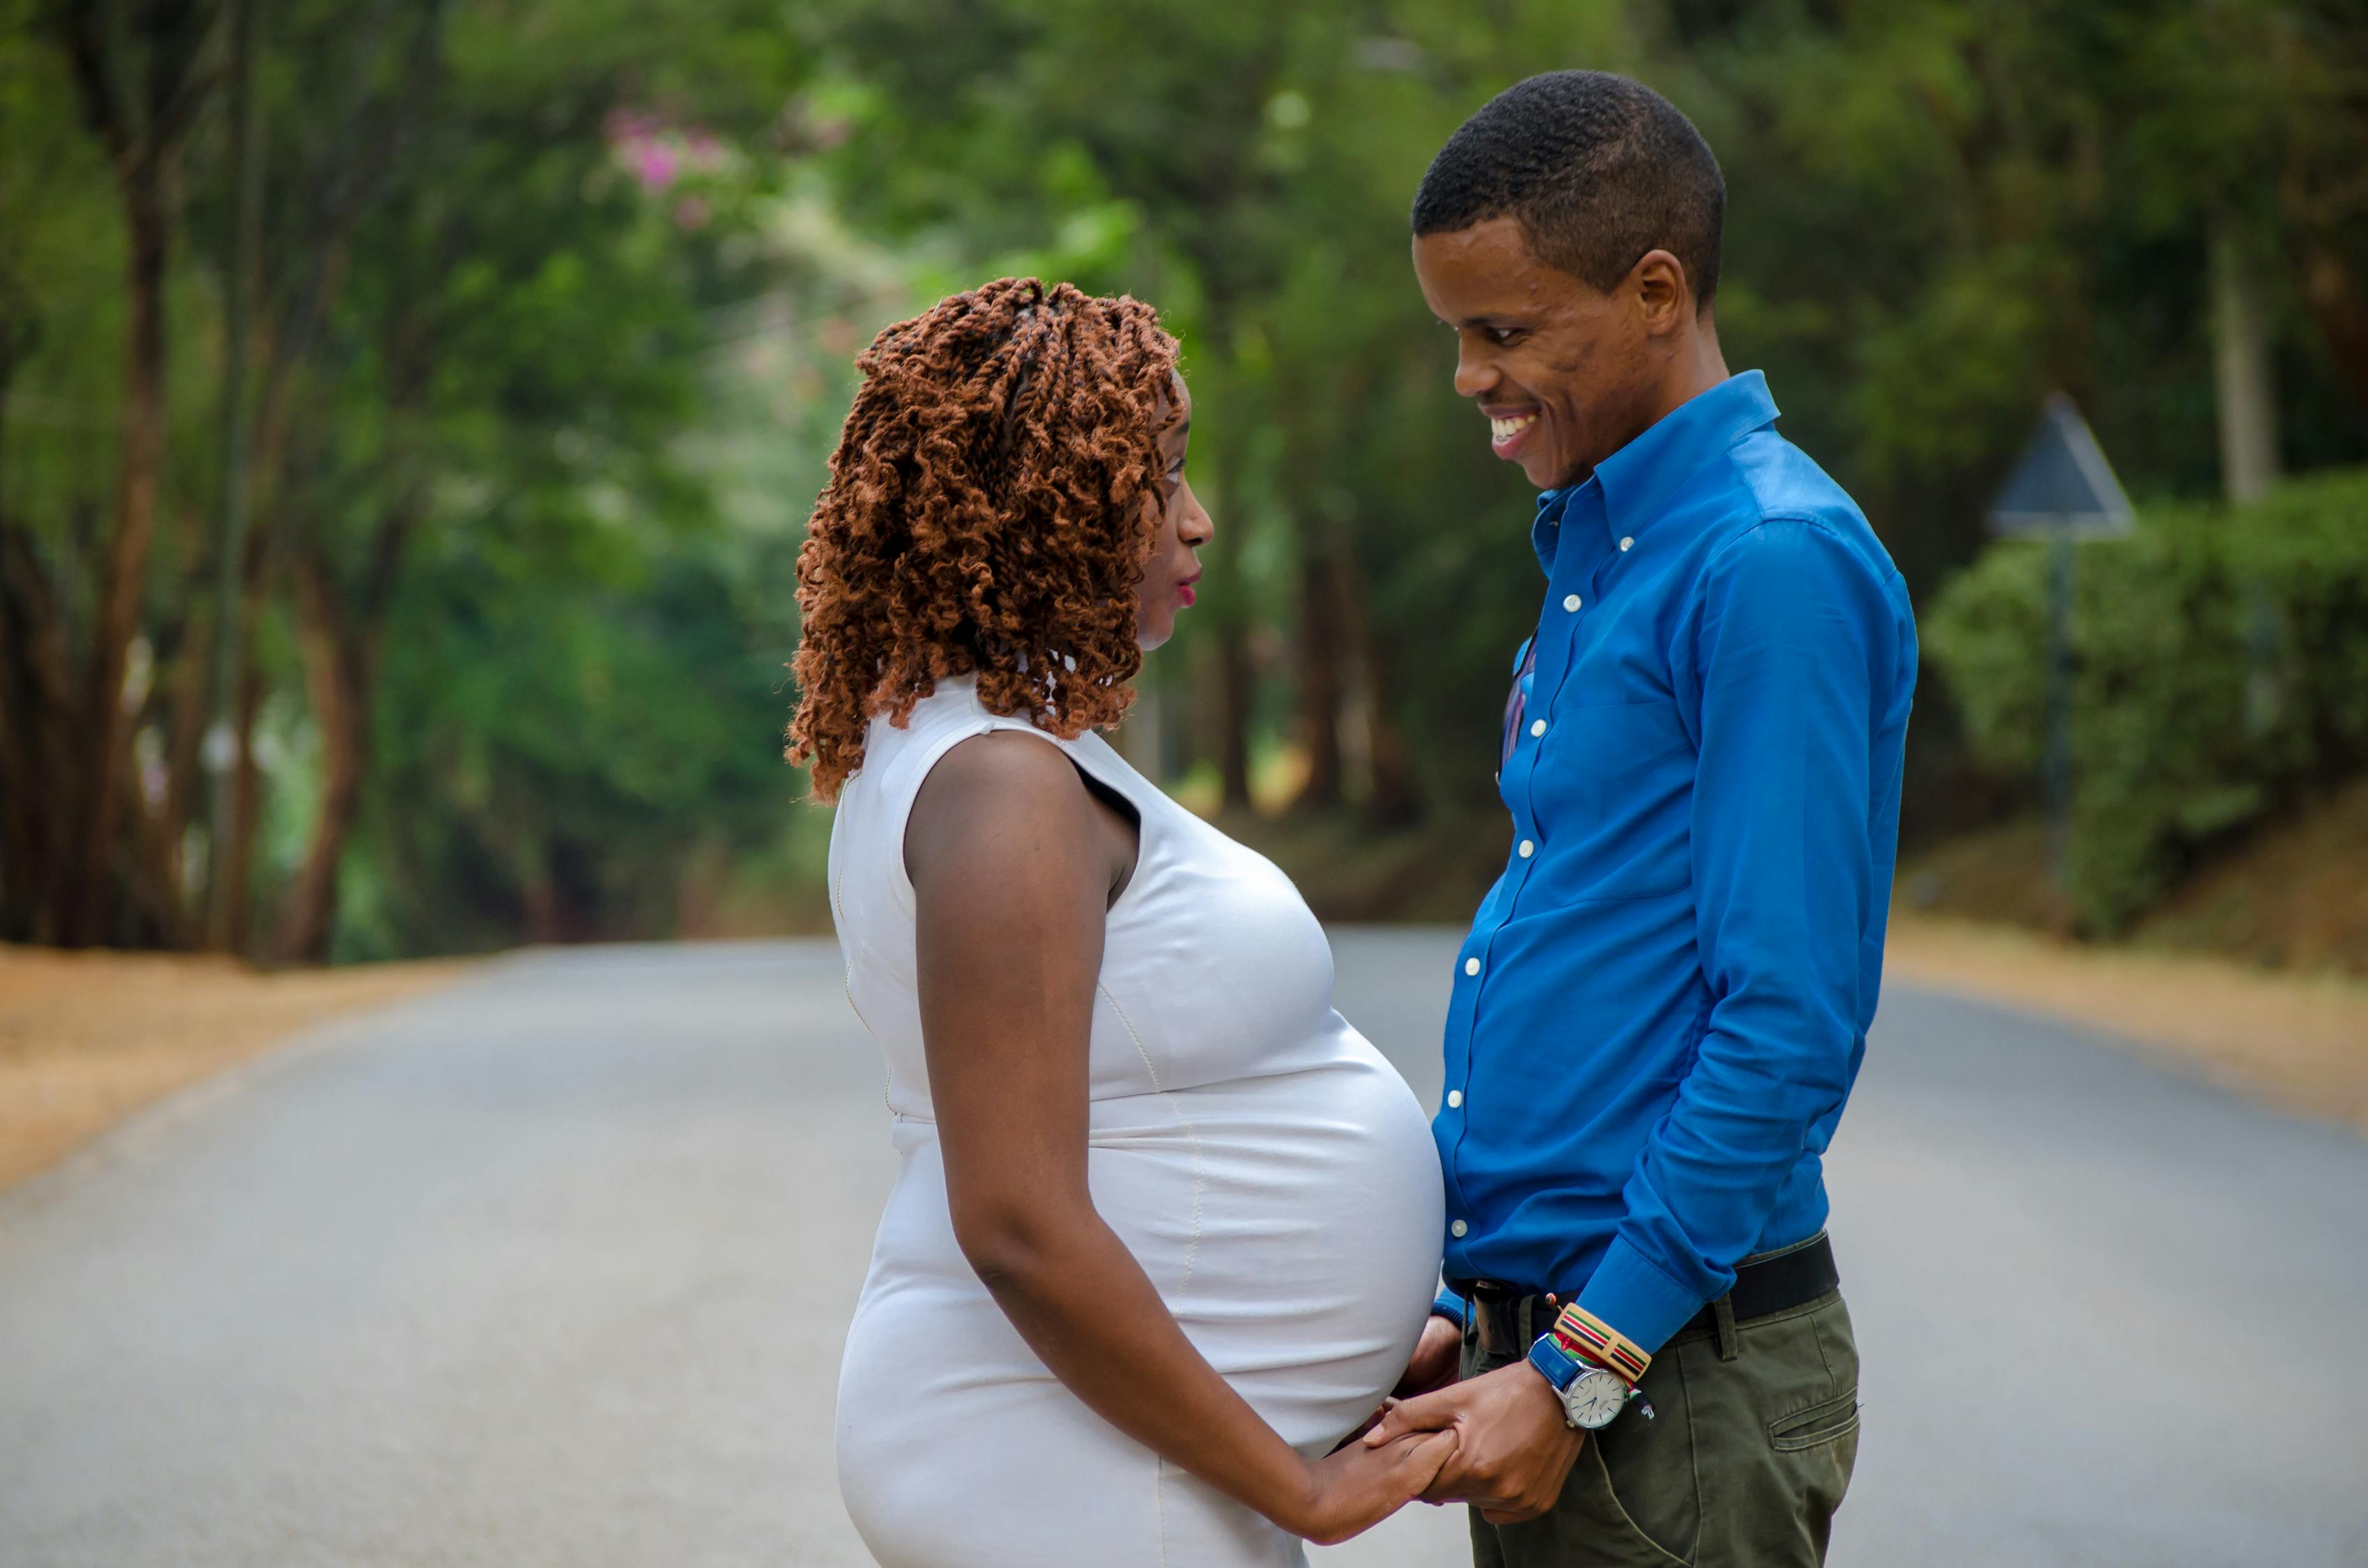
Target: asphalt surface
{"points": [[553, 1268]]}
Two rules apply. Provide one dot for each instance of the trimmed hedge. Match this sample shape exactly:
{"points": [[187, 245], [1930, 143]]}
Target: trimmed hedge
{"points": [[2220, 668]]}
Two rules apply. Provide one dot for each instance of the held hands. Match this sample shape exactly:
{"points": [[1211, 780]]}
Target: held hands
{"points": [[1360, 1485], [1514, 1450]]}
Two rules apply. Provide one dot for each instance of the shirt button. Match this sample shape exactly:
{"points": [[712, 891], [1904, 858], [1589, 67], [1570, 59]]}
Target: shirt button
{"points": [[1625, 543], [1470, 966], [1571, 603], [1537, 727], [1454, 1098], [1528, 849], [1458, 1228]]}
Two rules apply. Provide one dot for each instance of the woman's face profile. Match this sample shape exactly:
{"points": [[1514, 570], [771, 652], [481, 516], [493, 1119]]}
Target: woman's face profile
{"points": [[1180, 529]]}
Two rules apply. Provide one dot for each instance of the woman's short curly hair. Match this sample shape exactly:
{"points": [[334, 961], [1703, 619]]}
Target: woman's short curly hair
{"points": [[991, 507]]}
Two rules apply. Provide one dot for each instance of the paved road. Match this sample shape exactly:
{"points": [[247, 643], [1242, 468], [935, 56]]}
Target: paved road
{"points": [[552, 1269]]}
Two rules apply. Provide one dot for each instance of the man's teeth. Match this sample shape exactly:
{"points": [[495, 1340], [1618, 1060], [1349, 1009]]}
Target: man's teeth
{"points": [[1506, 429]]}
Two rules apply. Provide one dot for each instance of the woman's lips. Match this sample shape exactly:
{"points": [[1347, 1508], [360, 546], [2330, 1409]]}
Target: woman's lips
{"points": [[1507, 432], [1184, 595]]}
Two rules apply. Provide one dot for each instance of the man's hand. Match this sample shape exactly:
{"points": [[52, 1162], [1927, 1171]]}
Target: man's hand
{"points": [[1433, 1364], [1513, 1449]]}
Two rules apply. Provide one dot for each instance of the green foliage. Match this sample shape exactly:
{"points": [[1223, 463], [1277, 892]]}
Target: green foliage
{"points": [[610, 261], [2221, 667], [561, 743]]}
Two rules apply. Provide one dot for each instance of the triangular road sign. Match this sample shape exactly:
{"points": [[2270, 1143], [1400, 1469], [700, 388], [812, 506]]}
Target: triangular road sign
{"points": [[2062, 483]]}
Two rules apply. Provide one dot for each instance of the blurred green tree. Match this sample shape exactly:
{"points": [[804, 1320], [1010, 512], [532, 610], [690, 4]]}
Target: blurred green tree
{"points": [[555, 322]]}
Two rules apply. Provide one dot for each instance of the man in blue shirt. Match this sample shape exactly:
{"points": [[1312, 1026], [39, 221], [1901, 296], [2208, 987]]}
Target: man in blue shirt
{"points": [[1662, 1004]]}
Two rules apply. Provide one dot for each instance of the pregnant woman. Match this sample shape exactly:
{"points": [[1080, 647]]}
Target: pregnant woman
{"points": [[1166, 1226]]}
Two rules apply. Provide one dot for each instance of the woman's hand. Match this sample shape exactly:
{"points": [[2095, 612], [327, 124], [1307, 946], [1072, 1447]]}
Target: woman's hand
{"points": [[1351, 1491]]}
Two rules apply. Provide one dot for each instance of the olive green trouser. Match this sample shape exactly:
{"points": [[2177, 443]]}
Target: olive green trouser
{"points": [[1755, 1433]]}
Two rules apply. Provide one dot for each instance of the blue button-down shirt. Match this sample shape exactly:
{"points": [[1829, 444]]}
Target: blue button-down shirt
{"points": [[1664, 1000]]}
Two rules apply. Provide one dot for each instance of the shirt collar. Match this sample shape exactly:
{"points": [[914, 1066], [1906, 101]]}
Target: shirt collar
{"points": [[1639, 479]]}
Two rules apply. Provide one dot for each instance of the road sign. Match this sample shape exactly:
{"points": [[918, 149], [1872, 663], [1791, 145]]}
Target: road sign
{"points": [[2061, 489], [2062, 483]]}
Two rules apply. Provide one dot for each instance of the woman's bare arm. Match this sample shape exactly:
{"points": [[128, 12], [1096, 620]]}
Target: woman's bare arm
{"points": [[1013, 862]]}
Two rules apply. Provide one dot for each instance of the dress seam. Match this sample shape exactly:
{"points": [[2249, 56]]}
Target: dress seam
{"points": [[1191, 1133], [846, 983]]}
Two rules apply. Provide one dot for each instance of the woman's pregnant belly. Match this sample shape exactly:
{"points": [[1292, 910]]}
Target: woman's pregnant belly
{"points": [[1289, 1223]]}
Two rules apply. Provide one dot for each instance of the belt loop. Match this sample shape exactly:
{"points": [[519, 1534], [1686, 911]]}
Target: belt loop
{"points": [[1523, 1321], [1730, 1344]]}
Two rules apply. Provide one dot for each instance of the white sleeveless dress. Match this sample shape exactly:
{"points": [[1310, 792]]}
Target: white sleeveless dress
{"points": [[1272, 1173]]}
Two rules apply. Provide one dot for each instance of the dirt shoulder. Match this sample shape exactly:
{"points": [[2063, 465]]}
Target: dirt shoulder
{"points": [[88, 1037], [2299, 1041]]}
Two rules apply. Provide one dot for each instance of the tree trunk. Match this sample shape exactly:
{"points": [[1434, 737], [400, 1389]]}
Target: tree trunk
{"points": [[39, 744], [1322, 689], [1393, 803], [231, 915], [2321, 200], [1234, 715], [2338, 303], [91, 891], [233, 625], [337, 685], [2242, 376], [184, 729], [341, 640]]}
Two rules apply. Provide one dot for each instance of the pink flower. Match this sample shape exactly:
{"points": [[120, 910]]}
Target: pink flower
{"points": [[656, 164]]}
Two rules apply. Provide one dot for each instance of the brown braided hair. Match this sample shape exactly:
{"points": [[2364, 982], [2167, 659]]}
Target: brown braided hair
{"points": [[991, 507]]}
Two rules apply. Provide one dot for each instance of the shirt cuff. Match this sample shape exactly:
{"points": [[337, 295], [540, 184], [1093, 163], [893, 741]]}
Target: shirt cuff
{"points": [[1449, 1305], [1633, 1295]]}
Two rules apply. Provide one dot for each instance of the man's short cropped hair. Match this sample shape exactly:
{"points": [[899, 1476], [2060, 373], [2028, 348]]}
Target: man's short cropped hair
{"points": [[1597, 170]]}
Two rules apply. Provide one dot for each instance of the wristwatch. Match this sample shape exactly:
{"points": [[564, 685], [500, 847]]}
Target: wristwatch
{"points": [[1590, 1394]]}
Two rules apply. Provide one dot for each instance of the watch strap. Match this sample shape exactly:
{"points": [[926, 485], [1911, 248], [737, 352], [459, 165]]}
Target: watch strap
{"points": [[1555, 1364]]}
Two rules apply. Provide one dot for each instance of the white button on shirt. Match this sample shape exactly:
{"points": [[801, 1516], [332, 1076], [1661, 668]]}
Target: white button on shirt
{"points": [[1537, 726], [1458, 1228], [1454, 1098], [1571, 603], [1626, 543], [1470, 966], [1528, 849]]}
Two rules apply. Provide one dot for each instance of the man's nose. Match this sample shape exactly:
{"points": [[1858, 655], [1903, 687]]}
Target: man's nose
{"points": [[1473, 373]]}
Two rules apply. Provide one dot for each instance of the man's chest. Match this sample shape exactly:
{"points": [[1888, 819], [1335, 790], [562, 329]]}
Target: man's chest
{"points": [[1599, 744]]}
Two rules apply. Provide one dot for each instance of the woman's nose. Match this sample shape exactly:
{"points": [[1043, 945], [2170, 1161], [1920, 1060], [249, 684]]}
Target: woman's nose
{"points": [[1197, 528]]}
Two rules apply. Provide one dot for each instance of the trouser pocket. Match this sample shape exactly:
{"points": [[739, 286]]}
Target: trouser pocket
{"points": [[1749, 1458], [1631, 1501]]}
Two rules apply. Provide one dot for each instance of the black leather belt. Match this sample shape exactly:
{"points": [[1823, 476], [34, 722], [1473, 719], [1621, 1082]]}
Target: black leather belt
{"points": [[1772, 1282]]}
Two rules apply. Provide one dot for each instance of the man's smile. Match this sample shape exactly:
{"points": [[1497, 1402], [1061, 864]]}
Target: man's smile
{"points": [[1506, 427]]}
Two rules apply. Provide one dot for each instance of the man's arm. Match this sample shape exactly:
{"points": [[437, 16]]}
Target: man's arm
{"points": [[1792, 639], [1794, 633]]}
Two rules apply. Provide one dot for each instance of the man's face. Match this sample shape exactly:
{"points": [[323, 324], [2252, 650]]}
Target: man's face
{"points": [[1559, 369]]}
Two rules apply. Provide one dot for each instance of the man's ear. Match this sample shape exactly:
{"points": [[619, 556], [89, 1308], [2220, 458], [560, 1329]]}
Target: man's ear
{"points": [[1661, 292]]}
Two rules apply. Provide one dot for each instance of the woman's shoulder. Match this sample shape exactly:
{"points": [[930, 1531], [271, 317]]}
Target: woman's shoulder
{"points": [[897, 754]]}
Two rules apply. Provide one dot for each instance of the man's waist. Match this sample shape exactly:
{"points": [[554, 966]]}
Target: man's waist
{"points": [[1509, 1316]]}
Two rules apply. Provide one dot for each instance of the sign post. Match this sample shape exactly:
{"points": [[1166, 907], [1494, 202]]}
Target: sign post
{"points": [[2062, 488]]}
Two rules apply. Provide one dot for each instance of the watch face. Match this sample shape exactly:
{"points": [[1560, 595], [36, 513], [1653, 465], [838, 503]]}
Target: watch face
{"points": [[1593, 1398]]}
